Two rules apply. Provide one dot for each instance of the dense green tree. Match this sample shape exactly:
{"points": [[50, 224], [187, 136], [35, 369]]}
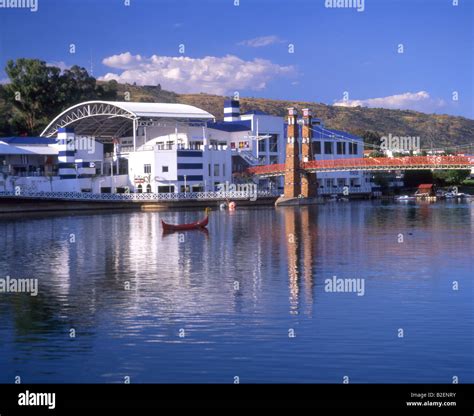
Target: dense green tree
{"points": [[37, 92], [451, 177], [32, 91]]}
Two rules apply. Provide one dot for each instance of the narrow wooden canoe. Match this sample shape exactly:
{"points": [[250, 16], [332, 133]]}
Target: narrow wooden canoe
{"points": [[183, 227]]}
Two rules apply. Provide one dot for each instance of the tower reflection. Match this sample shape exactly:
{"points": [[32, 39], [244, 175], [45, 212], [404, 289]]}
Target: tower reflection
{"points": [[300, 230]]}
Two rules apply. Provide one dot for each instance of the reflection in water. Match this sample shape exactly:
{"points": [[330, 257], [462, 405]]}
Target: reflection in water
{"points": [[127, 290], [301, 239]]}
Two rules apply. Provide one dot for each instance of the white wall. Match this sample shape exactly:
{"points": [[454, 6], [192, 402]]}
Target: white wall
{"points": [[54, 184]]}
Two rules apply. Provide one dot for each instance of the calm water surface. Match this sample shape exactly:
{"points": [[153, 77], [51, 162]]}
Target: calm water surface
{"points": [[206, 307]]}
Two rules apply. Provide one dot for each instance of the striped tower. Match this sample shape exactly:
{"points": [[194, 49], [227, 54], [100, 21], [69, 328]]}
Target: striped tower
{"points": [[292, 162], [308, 180], [67, 153], [231, 110]]}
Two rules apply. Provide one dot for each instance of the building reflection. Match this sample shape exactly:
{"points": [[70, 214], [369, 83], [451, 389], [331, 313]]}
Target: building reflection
{"points": [[263, 253]]}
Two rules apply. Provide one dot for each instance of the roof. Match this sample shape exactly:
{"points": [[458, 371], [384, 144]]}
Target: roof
{"points": [[322, 133], [114, 118], [6, 149], [231, 126], [164, 110], [256, 112], [27, 140], [425, 186]]}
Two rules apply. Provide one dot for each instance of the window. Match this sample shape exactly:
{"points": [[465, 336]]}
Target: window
{"points": [[139, 189], [273, 159], [352, 148], [148, 189], [328, 148], [165, 189], [216, 170], [147, 168], [341, 148], [273, 143], [197, 188], [164, 169], [262, 145], [209, 174], [223, 169], [316, 148]]}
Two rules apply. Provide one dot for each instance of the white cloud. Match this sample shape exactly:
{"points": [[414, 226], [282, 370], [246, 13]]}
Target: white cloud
{"points": [[59, 64], [420, 101], [4, 81], [261, 41], [211, 74]]}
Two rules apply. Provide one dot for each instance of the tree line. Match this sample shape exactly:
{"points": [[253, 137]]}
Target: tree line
{"points": [[37, 92]]}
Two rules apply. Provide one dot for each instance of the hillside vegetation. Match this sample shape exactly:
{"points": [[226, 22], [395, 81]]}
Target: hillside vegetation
{"points": [[434, 130]]}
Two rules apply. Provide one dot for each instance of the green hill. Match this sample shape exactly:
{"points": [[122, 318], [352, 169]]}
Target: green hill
{"points": [[435, 131]]}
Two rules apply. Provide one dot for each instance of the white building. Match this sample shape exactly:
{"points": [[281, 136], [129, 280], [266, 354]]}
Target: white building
{"points": [[116, 147]]}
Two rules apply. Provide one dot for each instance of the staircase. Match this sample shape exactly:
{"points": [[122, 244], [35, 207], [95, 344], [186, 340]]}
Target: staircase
{"points": [[249, 157]]}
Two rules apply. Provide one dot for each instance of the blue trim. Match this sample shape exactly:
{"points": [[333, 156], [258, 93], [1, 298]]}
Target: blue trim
{"points": [[232, 103], [231, 126], [64, 165], [231, 115], [189, 153], [189, 165], [67, 153], [190, 178], [27, 140], [65, 130]]}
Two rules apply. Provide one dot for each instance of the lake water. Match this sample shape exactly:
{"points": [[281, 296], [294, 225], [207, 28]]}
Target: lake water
{"points": [[248, 299]]}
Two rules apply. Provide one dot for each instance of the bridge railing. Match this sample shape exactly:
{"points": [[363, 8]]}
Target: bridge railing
{"points": [[191, 196], [407, 161], [266, 169], [371, 163]]}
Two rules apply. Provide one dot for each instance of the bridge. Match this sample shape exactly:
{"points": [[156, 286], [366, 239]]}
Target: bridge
{"points": [[370, 164], [301, 176]]}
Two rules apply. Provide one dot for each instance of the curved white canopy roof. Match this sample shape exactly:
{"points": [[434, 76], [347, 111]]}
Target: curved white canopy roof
{"points": [[112, 118]]}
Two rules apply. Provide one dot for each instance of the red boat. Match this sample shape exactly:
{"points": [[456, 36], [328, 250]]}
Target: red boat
{"points": [[183, 227]]}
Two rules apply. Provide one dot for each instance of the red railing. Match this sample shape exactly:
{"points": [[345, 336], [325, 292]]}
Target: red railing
{"points": [[426, 162], [267, 169]]}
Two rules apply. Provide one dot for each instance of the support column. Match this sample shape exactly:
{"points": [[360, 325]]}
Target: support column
{"points": [[308, 180], [134, 134], [66, 153], [292, 162]]}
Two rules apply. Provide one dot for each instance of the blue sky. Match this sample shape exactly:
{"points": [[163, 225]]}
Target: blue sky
{"points": [[245, 48]]}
